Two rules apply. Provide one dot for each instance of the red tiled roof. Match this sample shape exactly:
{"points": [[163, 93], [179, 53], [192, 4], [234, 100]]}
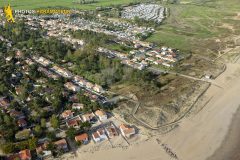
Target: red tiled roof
{"points": [[126, 129], [25, 154], [72, 122], [95, 135], [67, 113], [81, 137], [61, 142], [21, 122]]}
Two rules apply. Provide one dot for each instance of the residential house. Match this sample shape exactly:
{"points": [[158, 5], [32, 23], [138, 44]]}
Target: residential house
{"points": [[4, 102], [18, 90], [167, 64], [151, 54], [62, 71], [8, 58], [22, 155], [29, 61], [16, 114], [101, 115], [62, 145], [98, 88], [99, 135], [67, 114], [44, 61], [77, 106], [74, 122], [127, 131], [89, 85], [25, 154], [79, 80], [74, 98], [19, 54], [71, 86], [88, 117], [22, 123], [42, 151], [48, 73], [164, 48], [111, 131], [96, 137], [83, 138]]}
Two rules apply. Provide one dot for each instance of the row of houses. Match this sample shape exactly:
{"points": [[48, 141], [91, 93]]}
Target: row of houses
{"points": [[76, 120], [77, 82], [48, 73], [43, 61], [99, 135], [99, 115], [144, 55]]}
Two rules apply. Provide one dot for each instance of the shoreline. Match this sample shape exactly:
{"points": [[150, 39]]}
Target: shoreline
{"points": [[229, 148]]}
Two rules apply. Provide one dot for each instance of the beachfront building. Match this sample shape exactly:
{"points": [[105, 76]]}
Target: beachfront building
{"points": [[99, 135], [127, 131], [83, 138]]}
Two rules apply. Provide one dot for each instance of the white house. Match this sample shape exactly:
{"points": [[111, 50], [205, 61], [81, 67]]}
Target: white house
{"points": [[77, 106], [101, 115], [71, 86], [99, 135], [126, 130]]}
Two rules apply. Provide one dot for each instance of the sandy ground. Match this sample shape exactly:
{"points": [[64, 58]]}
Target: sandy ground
{"points": [[229, 149], [198, 136]]}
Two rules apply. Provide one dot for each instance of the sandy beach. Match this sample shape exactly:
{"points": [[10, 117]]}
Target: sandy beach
{"points": [[211, 134], [229, 149]]}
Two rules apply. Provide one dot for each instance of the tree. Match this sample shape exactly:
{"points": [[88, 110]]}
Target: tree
{"points": [[8, 148], [38, 130], [43, 123], [51, 146], [7, 120], [86, 125], [32, 143], [54, 121], [71, 132]]}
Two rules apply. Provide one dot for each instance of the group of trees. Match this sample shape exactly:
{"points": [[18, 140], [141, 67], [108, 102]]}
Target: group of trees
{"points": [[92, 38], [11, 147], [19, 32], [87, 62]]}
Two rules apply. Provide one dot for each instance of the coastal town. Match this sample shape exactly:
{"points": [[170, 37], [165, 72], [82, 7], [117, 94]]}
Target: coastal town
{"points": [[101, 80], [104, 127], [75, 125]]}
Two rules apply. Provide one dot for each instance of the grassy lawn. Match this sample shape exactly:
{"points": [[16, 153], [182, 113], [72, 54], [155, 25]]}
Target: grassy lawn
{"points": [[33, 4], [194, 25]]}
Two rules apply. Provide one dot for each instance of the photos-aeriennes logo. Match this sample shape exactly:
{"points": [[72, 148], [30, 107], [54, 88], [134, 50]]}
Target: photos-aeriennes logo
{"points": [[8, 13]]}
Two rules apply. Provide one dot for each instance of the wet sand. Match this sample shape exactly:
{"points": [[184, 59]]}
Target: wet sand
{"points": [[230, 148]]}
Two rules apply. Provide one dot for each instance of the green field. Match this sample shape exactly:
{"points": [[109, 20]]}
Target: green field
{"points": [[194, 25], [33, 4]]}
